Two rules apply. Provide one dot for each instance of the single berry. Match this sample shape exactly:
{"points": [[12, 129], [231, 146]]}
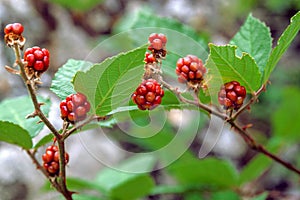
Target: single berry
{"points": [[74, 108], [51, 160], [148, 95], [190, 69], [37, 58], [15, 28], [232, 95], [149, 58]]}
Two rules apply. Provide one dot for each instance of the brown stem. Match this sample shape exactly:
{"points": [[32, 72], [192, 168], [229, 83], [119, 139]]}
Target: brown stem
{"points": [[40, 167], [247, 138], [251, 101], [30, 85], [31, 90], [259, 148]]}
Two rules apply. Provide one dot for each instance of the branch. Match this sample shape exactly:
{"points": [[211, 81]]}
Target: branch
{"points": [[31, 90], [246, 137]]}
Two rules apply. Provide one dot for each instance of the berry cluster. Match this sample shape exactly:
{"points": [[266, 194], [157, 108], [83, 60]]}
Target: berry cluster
{"points": [[51, 160], [190, 69], [74, 108], [15, 28], [157, 45], [37, 59], [232, 95], [13, 33], [148, 95]]}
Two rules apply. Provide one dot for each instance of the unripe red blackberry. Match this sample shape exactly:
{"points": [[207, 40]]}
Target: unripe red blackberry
{"points": [[232, 95], [51, 160], [149, 58], [13, 35], [190, 69], [148, 95], [157, 44], [37, 58], [74, 108], [15, 28]]}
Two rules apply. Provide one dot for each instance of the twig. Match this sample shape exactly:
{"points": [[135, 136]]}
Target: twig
{"points": [[247, 138], [61, 185], [32, 93], [251, 101]]}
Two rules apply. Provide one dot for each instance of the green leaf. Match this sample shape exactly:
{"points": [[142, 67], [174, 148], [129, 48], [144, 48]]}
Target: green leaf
{"points": [[254, 38], [224, 66], [61, 83], [123, 185], [79, 5], [46, 139], [15, 110], [110, 84], [87, 197], [209, 171], [225, 195], [81, 184], [283, 43], [14, 134], [262, 196], [284, 118]]}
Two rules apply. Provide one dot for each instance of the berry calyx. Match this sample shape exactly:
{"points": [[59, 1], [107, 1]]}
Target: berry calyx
{"points": [[37, 58], [148, 95], [232, 95], [15, 28], [51, 160], [190, 69], [74, 108]]}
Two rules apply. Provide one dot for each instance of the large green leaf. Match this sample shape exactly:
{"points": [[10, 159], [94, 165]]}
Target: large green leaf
{"points": [[285, 118], [224, 65], [254, 37], [15, 110], [109, 85], [123, 185], [61, 83], [209, 171], [14, 134], [283, 43]]}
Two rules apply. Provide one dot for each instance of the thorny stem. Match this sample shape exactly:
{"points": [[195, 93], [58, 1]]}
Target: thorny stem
{"points": [[31, 89], [60, 186], [251, 101], [231, 120]]}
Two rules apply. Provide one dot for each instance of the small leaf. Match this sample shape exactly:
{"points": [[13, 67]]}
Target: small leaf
{"points": [[109, 84], [14, 134], [254, 37], [128, 185], [61, 83], [208, 171], [283, 43], [78, 5], [224, 66], [46, 139], [13, 112], [262, 196]]}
